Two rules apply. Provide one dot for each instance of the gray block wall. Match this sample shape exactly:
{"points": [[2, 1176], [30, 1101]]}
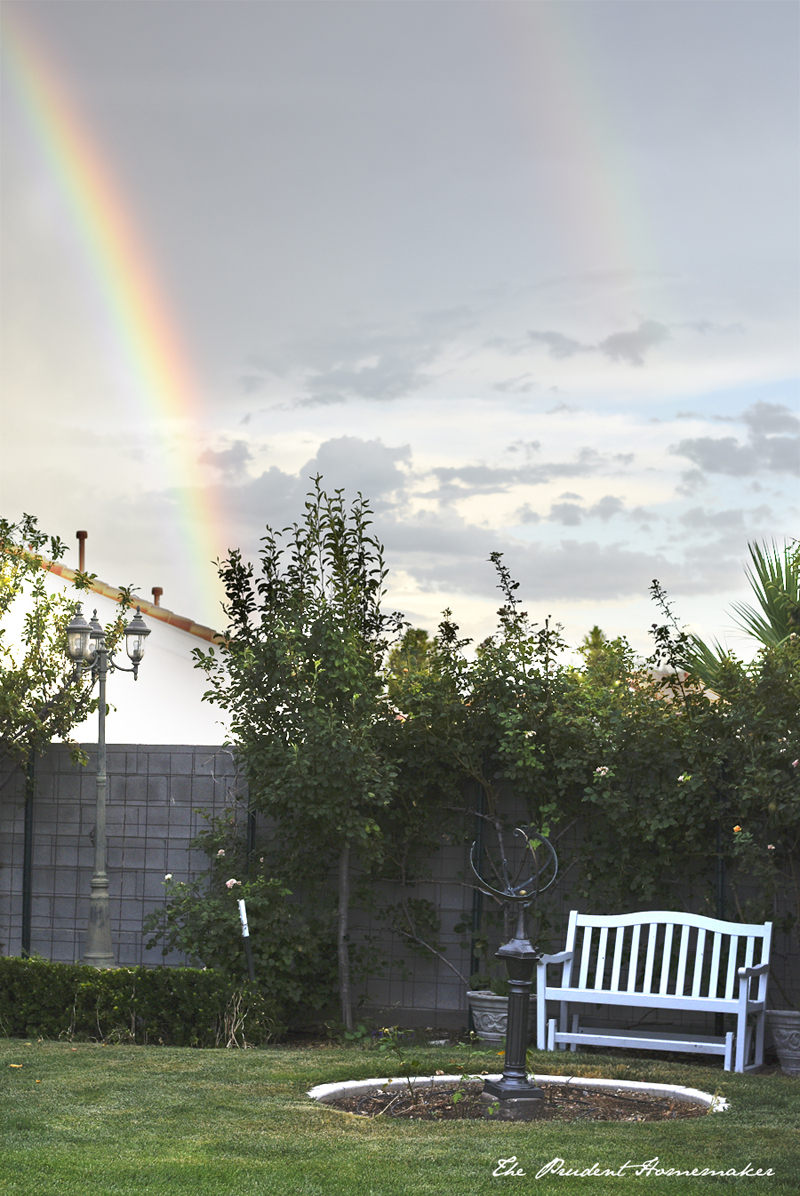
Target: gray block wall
{"points": [[153, 802], [155, 799]]}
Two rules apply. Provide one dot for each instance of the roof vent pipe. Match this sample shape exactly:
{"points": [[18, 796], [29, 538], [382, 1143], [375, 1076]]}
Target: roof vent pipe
{"points": [[81, 538], [157, 591]]}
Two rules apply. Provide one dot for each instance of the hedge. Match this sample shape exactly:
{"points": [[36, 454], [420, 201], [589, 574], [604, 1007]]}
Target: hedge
{"points": [[167, 1006]]}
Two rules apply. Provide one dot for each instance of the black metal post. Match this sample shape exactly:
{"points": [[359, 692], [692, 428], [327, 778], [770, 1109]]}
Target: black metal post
{"points": [[513, 1096], [99, 952], [27, 859]]}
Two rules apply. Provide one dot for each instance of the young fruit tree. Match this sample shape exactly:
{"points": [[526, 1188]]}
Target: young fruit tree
{"points": [[299, 675]]}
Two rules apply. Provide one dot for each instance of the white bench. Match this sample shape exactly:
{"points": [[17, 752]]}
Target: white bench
{"points": [[659, 961]]}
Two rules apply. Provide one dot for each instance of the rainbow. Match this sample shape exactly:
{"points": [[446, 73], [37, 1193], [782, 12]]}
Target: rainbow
{"points": [[140, 330], [598, 208]]}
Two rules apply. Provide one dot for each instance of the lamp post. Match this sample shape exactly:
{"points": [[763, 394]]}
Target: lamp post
{"points": [[86, 647], [513, 1096]]}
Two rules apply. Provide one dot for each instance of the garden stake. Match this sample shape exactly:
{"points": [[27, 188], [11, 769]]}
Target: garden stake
{"points": [[248, 947]]}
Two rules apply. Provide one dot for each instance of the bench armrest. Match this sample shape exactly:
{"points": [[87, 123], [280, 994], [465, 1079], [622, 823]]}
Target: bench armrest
{"points": [[561, 957], [758, 970]]}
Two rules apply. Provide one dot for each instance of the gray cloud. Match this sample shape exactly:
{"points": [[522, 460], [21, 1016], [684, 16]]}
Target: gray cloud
{"points": [[607, 507], [526, 514], [464, 480], [643, 516], [764, 419], [230, 461], [704, 326], [702, 520], [251, 383], [632, 346], [570, 514], [393, 377], [521, 385], [367, 362], [368, 466], [345, 462], [719, 455], [559, 346], [691, 481], [763, 449], [528, 447]]}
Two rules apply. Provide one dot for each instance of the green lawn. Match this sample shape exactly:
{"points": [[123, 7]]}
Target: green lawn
{"points": [[90, 1120]]}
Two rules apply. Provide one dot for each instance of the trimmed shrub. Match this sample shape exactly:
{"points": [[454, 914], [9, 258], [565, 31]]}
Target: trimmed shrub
{"points": [[167, 1006]]}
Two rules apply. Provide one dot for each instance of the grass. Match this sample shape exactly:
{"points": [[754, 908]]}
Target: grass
{"points": [[121, 1120]]}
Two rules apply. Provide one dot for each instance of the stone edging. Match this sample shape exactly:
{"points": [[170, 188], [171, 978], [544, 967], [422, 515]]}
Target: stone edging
{"points": [[714, 1104]]}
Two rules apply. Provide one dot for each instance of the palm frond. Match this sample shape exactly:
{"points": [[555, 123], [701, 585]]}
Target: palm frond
{"points": [[703, 662], [774, 577]]}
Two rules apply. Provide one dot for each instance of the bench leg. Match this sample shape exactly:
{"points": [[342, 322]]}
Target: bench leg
{"points": [[576, 1025], [729, 1050], [758, 1058], [562, 1022], [551, 1034]]}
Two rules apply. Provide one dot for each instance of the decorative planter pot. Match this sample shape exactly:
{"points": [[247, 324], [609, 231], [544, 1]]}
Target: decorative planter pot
{"points": [[784, 1025], [490, 1015]]}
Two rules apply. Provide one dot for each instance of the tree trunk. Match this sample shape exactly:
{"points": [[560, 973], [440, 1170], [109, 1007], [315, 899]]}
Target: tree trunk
{"points": [[341, 938]]}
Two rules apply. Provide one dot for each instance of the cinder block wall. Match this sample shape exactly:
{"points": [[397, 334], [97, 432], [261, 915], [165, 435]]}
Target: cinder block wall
{"points": [[154, 802], [154, 795]]}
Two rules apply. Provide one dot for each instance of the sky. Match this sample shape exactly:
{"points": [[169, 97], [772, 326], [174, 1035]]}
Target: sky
{"points": [[523, 274]]}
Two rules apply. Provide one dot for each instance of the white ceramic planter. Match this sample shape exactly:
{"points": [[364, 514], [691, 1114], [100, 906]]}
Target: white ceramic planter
{"points": [[784, 1025], [490, 1015]]}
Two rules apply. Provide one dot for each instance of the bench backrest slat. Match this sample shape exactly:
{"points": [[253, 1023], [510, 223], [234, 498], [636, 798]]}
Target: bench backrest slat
{"points": [[680, 979], [651, 958], [634, 964], [599, 972], [666, 959], [571, 935], [619, 940], [733, 955], [698, 962], [713, 979], [587, 950]]}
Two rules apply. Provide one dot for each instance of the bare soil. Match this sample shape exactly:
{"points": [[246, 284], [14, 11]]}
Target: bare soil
{"points": [[563, 1102]]}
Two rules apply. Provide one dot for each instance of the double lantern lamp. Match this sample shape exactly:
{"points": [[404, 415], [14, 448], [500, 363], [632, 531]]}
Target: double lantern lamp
{"points": [[86, 640], [86, 648]]}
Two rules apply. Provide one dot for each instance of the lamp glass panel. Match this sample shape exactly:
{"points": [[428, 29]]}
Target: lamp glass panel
{"points": [[76, 643], [134, 645]]}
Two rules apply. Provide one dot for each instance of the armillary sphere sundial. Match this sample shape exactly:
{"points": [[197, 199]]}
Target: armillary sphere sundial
{"points": [[515, 1097]]}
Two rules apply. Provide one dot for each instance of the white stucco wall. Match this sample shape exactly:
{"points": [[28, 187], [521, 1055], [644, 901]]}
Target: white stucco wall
{"points": [[164, 705]]}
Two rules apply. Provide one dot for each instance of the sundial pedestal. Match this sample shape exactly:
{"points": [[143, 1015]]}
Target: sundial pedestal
{"points": [[513, 1097]]}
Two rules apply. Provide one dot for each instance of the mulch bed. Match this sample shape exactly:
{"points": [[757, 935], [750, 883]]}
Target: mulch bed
{"points": [[563, 1102]]}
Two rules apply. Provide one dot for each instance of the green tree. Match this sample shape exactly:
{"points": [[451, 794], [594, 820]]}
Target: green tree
{"points": [[39, 697], [299, 674]]}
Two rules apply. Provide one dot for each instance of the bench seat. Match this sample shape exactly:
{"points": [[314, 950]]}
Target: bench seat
{"points": [[659, 961]]}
